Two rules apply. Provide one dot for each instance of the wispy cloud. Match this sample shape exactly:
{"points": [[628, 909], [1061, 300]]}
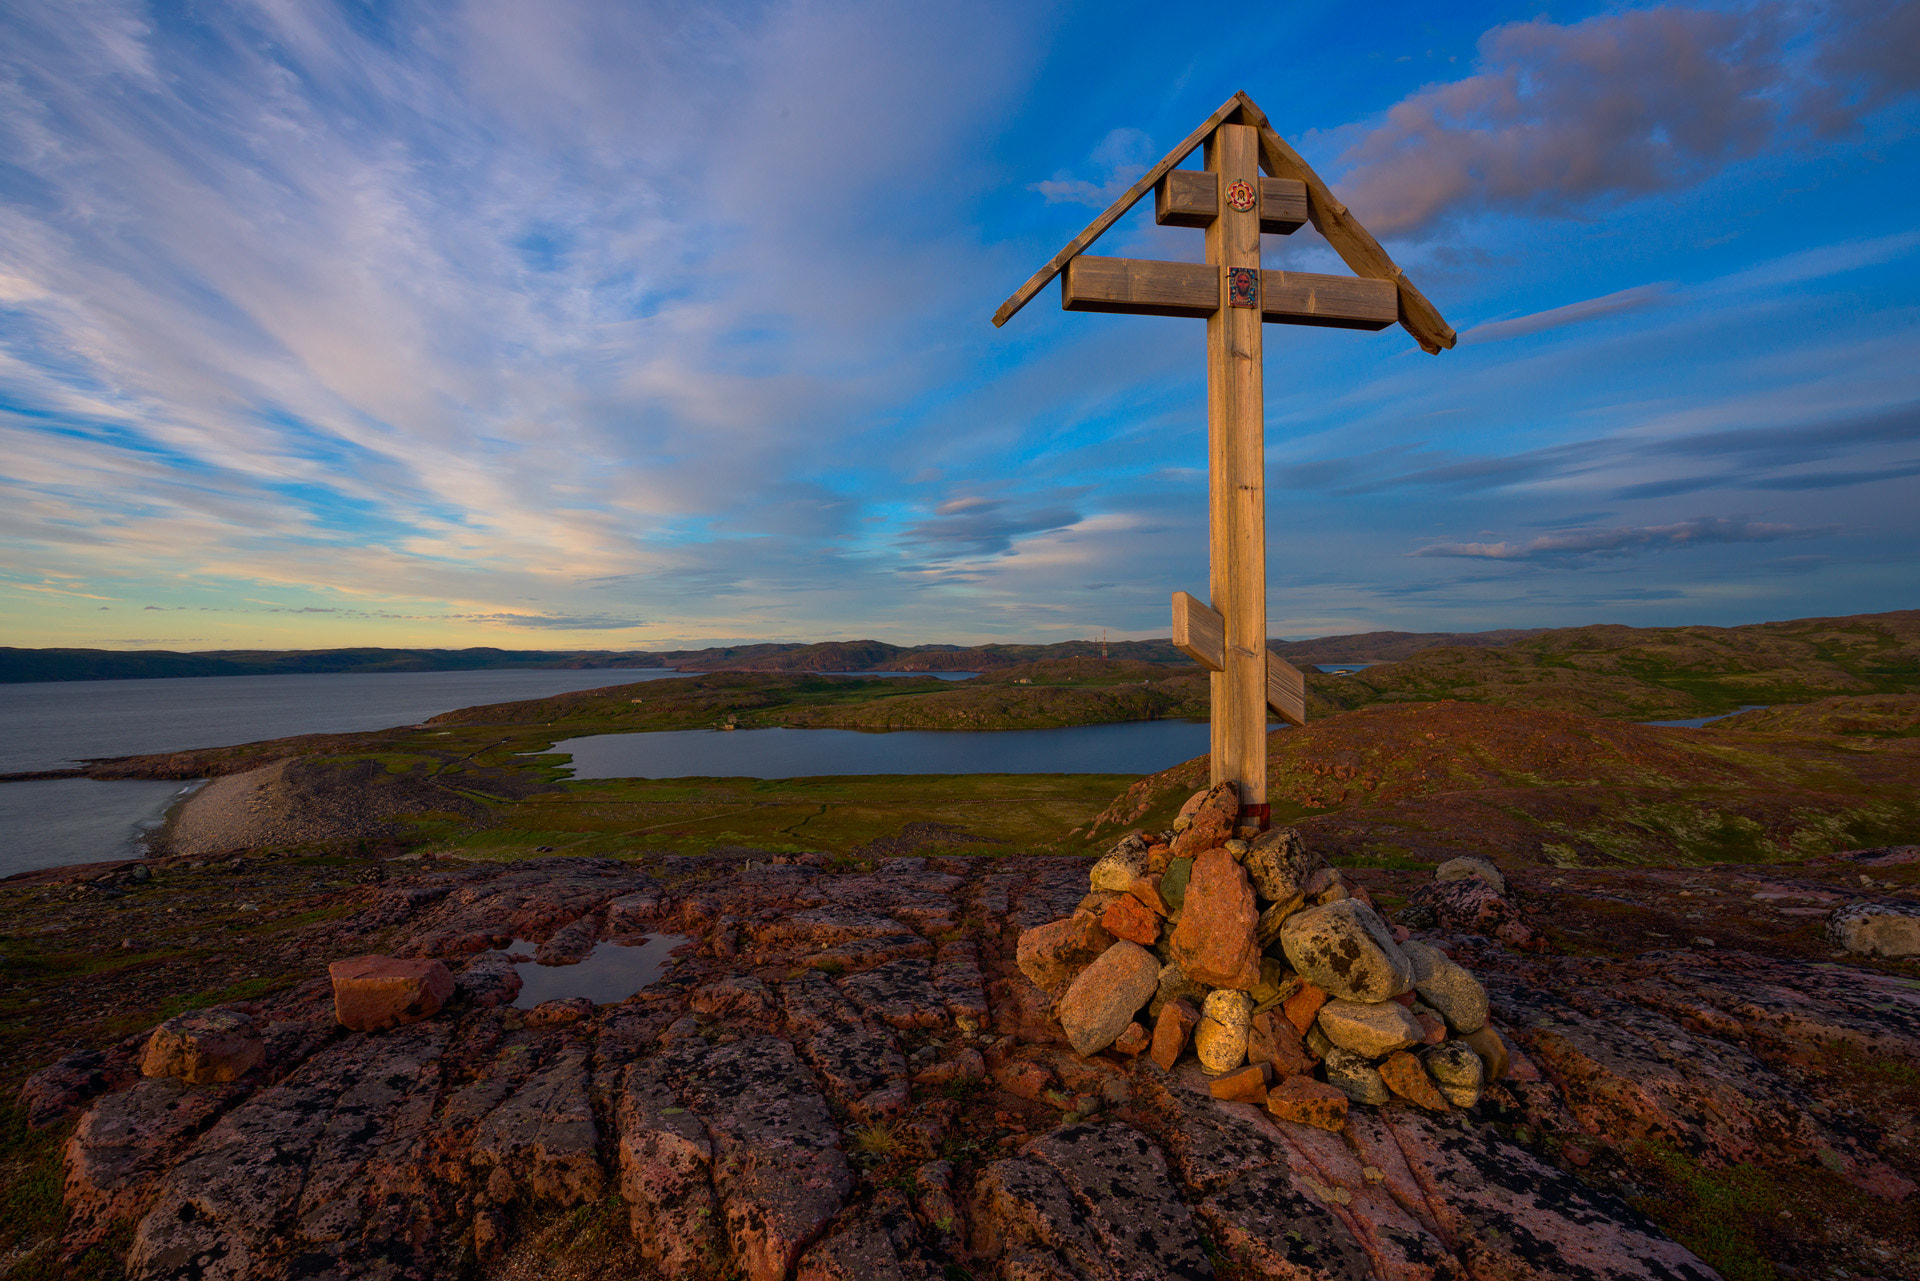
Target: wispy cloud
{"points": [[1558, 118], [1626, 540], [1571, 314]]}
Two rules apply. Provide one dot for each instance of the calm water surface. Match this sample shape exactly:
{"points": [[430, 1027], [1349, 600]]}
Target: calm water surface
{"points": [[1135, 747], [612, 972], [1700, 721]]}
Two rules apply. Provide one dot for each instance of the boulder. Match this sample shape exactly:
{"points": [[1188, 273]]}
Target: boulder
{"points": [[1492, 1051], [1876, 929], [1221, 1039], [204, 1047], [1371, 1029], [1279, 865], [1303, 1007], [1271, 1039], [1214, 941], [1243, 1085], [1128, 918], [1147, 890], [1213, 815], [1407, 1077], [1117, 869], [1174, 986], [1106, 995], [373, 993], [1345, 949], [1447, 986], [1175, 1023], [1459, 869], [1305, 1101], [1353, 1075], [1173, 884], [1052, 954], [1457, 1070]]}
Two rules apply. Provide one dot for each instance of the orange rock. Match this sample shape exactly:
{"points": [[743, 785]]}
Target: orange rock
{"points": [[1305, 1101], [1273, 1040], [1407, 1077], [1214, 818], [1134, 1041], [1171, 1030], [1434, 1026], [1214, 942], [1303, 1007], [1129, 918], [1244, 1085], [1147, 890], [1052, 955], [1158, 856], [372, 993], [1492, 1050]]}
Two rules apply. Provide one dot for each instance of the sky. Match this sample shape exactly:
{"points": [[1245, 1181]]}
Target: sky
{"points": [[603, 325]]}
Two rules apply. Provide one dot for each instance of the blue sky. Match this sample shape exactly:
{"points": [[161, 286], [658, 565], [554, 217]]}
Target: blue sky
{"points": [[579, 324]]}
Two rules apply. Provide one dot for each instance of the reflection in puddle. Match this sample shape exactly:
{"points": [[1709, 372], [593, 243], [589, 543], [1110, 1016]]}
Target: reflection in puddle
{"points": [[612, 971]]}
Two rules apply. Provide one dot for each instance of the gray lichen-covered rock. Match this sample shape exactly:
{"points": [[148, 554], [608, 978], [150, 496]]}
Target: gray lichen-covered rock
{"points": [[1371, 1029], [1447, 986], [1104, 998], [1121, 864], [1174, 985], [1346, 950], [1457, 1070], [1876, 929], [1356, 1077], [1459, 869], [1221, 1039], [1279, 864]]}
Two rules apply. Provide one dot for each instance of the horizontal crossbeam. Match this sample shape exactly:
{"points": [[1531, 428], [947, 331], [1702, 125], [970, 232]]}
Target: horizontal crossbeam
{"points": [[1134, 286], [1286, 690], [1191, 198]]}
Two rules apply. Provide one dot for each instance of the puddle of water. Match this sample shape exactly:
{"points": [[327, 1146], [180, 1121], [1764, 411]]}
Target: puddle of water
{"points": [[611, 973], [1700, 721]]}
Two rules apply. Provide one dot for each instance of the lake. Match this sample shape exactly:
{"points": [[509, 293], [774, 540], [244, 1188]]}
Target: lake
{"points": [[1133, 747], [53, 724]]}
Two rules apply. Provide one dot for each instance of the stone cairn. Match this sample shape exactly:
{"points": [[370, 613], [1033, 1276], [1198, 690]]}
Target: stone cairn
{"points": [[1288, 986]]}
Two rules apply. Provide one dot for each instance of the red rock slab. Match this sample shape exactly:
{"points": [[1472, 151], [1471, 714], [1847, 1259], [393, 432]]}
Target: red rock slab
{"points": [[1214, 814], [1244, 1085], [373, 993], [1022, 1077], [1407, 1077], [1128, 918], [1171, 1029], [964, 1066], [1398, 1244], [1214, 941], [1513, 1217], [1305, 1101], [204, 1047], [1134, 1041], [1303, 1007]]}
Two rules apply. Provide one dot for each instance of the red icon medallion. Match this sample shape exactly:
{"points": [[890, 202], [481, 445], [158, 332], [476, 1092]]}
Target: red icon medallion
{"points": [[1241, 196]]}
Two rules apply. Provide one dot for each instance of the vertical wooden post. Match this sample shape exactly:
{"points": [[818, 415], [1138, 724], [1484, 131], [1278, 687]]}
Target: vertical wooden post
{"points": [[1236, 457]]}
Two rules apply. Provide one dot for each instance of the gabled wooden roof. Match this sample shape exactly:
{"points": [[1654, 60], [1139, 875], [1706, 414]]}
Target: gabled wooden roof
{"points": [[1353, 242]]}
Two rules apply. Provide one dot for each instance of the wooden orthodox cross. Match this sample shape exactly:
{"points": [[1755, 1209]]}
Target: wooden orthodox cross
{"points": [[1231, 199]]}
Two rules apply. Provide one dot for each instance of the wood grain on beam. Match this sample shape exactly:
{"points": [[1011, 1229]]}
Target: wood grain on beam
{"points": [[1187, 198], [1286, 690], [1139, 287], [1353, 242], [1199, 632], [1283, 206], [1333, 302], [1038, 281], [1191, 198]]}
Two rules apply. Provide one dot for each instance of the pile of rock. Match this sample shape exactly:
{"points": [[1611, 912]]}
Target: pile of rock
{"points": [[1288, 986]]}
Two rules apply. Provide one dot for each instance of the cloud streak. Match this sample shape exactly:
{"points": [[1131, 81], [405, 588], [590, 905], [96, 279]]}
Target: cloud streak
{"points": [[1626, 540]]}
